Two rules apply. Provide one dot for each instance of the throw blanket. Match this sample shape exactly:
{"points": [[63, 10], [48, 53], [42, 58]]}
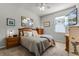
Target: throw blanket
{"points": [[49, 37]]}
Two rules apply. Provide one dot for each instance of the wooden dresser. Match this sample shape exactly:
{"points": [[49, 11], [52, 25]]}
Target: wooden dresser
{"points": [[12, 42], [74, 40], [40, 30]]}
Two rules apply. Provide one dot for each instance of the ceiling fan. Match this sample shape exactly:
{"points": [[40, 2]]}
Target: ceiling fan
{"points": [[43, 6]]}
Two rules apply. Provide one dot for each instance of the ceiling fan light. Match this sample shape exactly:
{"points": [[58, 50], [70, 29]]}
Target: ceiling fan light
{"points": [[42, 8]]}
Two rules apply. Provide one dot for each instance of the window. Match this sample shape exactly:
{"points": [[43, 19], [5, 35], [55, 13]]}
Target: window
{"points": [[61, 24]]}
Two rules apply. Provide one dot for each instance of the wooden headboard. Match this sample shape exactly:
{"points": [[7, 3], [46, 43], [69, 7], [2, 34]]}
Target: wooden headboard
{"points": [[21, 31]]}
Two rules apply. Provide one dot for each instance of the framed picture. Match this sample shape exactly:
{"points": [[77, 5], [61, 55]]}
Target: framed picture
{"points": [[26, 21], [10, 22], [46, 23], [22, 19]]}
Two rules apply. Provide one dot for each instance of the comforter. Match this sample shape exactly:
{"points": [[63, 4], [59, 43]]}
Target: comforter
{"points": [[37, 45]]}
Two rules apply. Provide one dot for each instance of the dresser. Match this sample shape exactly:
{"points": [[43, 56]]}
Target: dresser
{"points": [[12, 42], [74, 40]]}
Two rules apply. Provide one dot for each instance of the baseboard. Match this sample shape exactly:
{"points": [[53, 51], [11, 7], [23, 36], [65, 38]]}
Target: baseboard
{"points": [[60, 41], [2, 47]]}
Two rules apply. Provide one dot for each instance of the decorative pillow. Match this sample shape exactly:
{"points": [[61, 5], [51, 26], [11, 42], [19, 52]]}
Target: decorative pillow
{"points": [[35, 34]]}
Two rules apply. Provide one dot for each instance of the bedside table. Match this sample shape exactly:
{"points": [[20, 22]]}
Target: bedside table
{"points": [[12, 42]]}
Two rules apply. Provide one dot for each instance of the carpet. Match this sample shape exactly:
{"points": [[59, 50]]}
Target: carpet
{"points": [[58, 50]]}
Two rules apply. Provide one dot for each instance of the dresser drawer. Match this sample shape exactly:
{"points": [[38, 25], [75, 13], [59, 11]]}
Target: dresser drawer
{"points": [[12, 44], [12, 39]]}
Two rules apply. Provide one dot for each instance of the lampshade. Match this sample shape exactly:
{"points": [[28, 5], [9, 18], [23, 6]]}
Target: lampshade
{"points": [[10, 32]]}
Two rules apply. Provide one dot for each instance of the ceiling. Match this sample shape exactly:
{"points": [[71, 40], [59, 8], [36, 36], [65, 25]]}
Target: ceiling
{"points": [[51, 7]]}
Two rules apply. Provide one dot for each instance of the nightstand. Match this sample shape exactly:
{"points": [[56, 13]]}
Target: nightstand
{"points": [[12, 42]]}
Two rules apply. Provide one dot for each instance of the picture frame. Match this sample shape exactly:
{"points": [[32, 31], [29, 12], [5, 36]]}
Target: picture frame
{"points": [[26, 21], [46, 23], [22, 18], [10, 22]]}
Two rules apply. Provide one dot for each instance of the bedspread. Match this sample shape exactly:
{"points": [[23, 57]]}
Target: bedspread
{"points": [[37, 45]]}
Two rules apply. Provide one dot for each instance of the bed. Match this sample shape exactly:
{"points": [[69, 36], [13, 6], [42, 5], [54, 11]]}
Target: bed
{"points": [[36, 44]]}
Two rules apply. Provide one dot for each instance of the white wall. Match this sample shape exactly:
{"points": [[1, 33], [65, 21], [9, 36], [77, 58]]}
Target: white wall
{"points": [[51, 30], [10, 11]]}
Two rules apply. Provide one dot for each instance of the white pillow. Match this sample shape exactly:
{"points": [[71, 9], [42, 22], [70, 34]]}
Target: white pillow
{"points": [[25, 34], [28, 34], [35, 34]]}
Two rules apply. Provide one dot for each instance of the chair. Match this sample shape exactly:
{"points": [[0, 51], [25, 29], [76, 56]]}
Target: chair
{"points": [[75, 44]]}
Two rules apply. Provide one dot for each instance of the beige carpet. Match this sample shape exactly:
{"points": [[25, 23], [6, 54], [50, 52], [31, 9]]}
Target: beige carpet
{"points": [[58, 50]]}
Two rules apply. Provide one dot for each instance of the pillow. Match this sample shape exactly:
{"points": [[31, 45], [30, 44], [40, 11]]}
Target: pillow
{"points": [[35, 34], [25, 34], [28, 34]]}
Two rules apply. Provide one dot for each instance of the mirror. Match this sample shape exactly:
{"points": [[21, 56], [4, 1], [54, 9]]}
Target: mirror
{"points": [[72, 17]]}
